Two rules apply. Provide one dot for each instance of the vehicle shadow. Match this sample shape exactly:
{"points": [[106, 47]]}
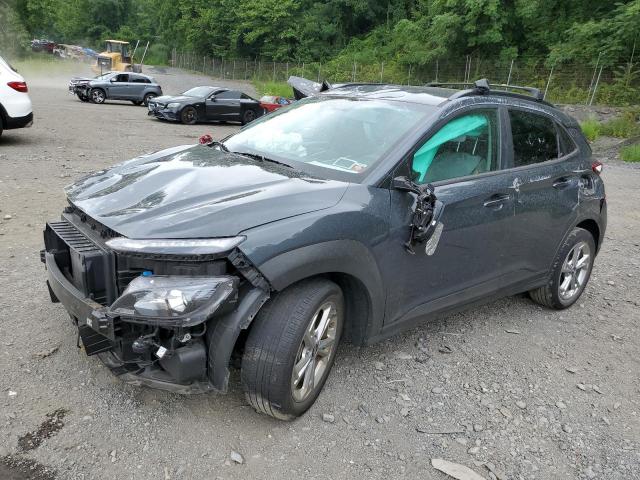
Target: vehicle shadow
{"points": [[8, 139]]}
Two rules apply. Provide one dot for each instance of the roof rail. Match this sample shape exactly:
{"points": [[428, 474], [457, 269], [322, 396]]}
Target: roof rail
{"points": [[482, 87]]}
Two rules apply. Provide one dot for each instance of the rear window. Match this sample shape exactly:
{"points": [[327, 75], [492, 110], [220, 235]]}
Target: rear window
{"points": [[136, 79], [535, 138]]}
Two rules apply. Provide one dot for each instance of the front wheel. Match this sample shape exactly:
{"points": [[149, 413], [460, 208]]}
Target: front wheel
{"points": [[83, 97], [291, 348], [137, 103], [189, 116], [98, 96], [570, 272]]}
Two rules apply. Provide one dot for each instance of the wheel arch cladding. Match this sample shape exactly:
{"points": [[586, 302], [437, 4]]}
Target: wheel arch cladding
{"points": [[349, 264], [593, 228]]}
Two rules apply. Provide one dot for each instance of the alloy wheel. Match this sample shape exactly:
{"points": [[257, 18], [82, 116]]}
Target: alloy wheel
{"points": [[97, 96], [315, 353], [575, 270]]}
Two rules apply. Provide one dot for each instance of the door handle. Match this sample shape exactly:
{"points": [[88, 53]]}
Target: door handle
{"points": [[496, 200], [562, 182]]}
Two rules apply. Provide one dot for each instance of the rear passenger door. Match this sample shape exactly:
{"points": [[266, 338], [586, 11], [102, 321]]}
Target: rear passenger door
{"points": [[547, 165], [137, 86]]}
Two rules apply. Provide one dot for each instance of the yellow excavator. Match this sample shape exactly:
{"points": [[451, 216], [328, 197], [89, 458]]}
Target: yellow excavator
{"points": [[117, 58]]}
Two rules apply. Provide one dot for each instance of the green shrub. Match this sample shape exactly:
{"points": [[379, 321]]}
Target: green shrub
{"points": [[622, 127], [158, 54], [591, 129], [280, 89], [631, 153]]}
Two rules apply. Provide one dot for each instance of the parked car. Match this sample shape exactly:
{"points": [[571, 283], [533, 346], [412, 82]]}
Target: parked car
{"points": [[135, 87], [348, 216], [43, 45], [271, 103], [15, 104], [201, 104]]}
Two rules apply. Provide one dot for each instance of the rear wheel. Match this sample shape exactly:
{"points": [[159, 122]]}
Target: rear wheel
{"points": [[189, 116], [291, 348], [248, 116], [98, 95], [147, 97], [570, 272]]}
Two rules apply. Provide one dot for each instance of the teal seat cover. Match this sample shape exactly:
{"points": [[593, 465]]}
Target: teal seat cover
{"points": [[468, 125]]}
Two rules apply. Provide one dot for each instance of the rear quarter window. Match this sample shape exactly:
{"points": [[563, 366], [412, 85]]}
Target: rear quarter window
{"points": [[535, 138], [565, 142]]}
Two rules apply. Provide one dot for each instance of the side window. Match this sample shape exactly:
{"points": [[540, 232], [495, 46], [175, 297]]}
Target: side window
{"points": [[534, 138], [229, 94], [567, 145], [137, 79], [122, 77], [467, 145]]}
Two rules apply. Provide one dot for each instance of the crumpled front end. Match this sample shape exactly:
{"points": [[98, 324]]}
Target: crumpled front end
{"points": [[145, 315], [161, 111], [79, 86]]}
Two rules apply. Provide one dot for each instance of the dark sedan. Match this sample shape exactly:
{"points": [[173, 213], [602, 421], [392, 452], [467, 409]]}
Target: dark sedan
{"points": [[202, 104]]}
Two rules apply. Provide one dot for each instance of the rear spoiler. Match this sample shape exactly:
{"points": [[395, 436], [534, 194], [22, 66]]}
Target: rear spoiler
{"points": [[307, 88]]}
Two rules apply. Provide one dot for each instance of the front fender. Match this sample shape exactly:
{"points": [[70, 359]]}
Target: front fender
{"points": [[346, 257]]}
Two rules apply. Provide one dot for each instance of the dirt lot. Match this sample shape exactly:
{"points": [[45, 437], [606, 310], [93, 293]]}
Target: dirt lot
{"points": [[509, 388]]}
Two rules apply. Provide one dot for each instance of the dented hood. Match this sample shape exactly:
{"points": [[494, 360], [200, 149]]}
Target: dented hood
{"points": [[198, 192]]}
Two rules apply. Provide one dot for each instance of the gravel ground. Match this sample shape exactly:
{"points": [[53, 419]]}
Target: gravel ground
{"points": [[509, 389]]}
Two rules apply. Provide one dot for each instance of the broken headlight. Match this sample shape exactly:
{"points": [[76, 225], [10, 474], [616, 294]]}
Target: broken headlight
{"points": [[173, 300]]}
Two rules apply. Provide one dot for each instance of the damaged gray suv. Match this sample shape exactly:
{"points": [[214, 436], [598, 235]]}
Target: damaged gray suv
{"points": [[348, 216]]}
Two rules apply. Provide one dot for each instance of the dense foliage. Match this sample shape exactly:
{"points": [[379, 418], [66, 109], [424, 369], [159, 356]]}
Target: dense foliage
{"points": [[407, 31], [399, 41]]}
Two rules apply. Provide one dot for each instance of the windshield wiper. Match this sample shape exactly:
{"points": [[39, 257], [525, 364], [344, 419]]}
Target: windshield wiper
{"points": [[222, 146], [262, 158]]}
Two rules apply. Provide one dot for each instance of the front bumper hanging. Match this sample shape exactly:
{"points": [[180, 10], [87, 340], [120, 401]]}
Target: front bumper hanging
{"points": [[172, 358]]}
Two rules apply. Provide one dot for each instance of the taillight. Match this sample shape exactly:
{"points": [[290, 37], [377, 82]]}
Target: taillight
{"points": [[597, 167], [19, 86]]}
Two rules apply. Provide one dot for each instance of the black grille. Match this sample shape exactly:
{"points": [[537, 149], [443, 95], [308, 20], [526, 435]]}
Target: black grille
{"points": [[73, 237], [80, 259]]}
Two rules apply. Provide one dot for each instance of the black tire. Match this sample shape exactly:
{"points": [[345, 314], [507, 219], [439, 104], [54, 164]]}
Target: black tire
{"points": [[248, 116], [137, 103], [147, 97], [0, 127], [98, 96], [189, 116], [83, 97], [277, 342], [553, 295]]}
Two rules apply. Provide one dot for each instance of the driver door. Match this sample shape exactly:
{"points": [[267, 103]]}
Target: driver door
{"points": [[119, 87], [462, 159], [224, 105]]}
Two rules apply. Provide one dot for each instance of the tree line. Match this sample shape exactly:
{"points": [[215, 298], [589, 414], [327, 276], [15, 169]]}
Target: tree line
{"points": [[403, 31]]}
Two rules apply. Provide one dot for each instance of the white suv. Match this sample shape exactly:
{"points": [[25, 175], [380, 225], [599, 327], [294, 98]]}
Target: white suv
{"points": [[15, 104]]}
